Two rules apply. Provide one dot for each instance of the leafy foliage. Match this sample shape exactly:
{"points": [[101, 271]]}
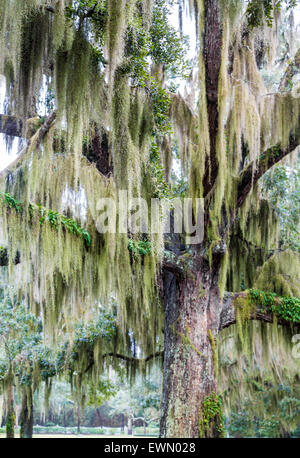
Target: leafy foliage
{"points": [[162, 45], [259, 11], [21, 338], [100, 392], [161, 187], [281, 186], [167, 47], [141, 247], [287, 308]]}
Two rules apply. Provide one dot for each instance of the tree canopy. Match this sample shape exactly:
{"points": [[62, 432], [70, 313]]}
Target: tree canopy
{"points": [[110, 104]]}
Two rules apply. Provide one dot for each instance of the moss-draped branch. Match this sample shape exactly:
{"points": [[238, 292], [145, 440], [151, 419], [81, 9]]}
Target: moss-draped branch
{"points": [[267, 160], [10, 125], [261, 306]]}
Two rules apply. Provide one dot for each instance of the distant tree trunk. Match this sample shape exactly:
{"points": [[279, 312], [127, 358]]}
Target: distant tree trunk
{"points": [[18, 409], [78, 417], [130, 425], [26, 422], [99, 417], [122, 423], [10, 416]]}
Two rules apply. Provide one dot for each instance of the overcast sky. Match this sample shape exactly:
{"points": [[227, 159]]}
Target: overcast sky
{"points": [[188, 29]]}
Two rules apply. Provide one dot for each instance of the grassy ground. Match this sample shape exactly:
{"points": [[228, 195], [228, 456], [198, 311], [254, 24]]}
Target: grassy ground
{"points": [[85, 436], [54, 432]]}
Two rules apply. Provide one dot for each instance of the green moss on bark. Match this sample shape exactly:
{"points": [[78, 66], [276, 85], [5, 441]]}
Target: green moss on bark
{"points": [[211, 419]]}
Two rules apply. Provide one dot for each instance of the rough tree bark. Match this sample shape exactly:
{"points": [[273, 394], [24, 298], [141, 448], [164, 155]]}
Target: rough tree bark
{"points": [[78, 417], [192, 302], [192, 316], [194, 310], [129, 432], [26, 422]]}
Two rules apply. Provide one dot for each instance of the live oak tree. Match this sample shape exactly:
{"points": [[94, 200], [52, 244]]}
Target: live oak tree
{"points": [[111, 121]]}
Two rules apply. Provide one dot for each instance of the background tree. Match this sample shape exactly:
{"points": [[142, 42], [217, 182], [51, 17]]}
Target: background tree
{"points": [[22, 355], [139, 402]]}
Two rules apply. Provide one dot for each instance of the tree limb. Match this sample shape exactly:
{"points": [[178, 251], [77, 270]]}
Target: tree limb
{"points": [[268, 159], [213, 36], [228, 315], [51, 9], [42, 131], [174, 267], [132, 359], [276, 153], [10, 125], [126, 358], [4, 257], [291, 70], [145, 420]]}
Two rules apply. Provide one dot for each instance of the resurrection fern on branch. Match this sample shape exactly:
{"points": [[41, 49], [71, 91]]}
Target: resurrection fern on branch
{"points": [[287, 308], [53, 218]]}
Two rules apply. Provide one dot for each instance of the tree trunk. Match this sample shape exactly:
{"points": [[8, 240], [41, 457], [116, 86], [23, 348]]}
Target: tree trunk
{"points": [[129, 426], [26, 423], [10, 416], [192, 315], [78, 418], [190, 405], [122, 423], [99, 422]]}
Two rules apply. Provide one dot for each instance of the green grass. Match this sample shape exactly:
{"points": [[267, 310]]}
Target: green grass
{"points": [[86, 432], [84, 436]]}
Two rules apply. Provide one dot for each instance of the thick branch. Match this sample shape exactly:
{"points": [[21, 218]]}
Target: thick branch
{"points": [[212, 55], [44, 129], [98, 153], [40, 136], [51, 9], [274, 154], [292, 69], [4, 257], [145, 420], [133, 360], [268, 159], [228, 315], [171, 265], [129, 359], [88, 14], [10, 125]]}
